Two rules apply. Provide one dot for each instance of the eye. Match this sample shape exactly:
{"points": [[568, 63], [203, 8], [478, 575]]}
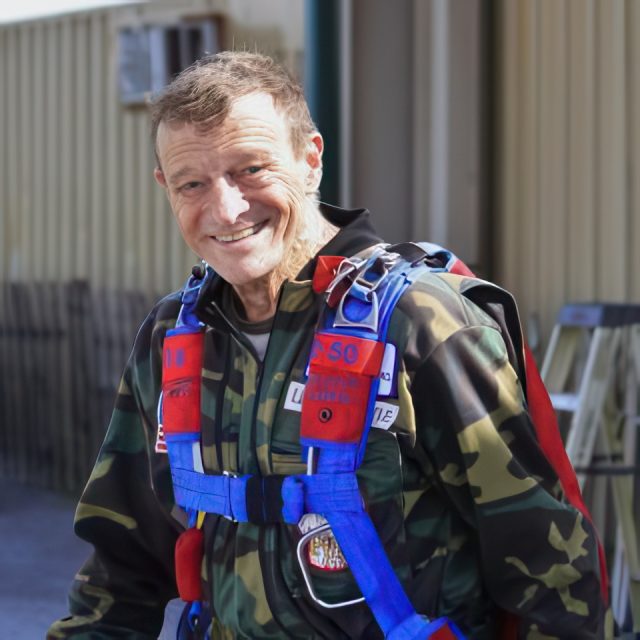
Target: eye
{"points": [[253, 170], [191, 185]]}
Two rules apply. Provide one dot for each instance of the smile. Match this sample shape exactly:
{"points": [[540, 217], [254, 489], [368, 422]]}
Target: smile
{"points": [[245, 233]]}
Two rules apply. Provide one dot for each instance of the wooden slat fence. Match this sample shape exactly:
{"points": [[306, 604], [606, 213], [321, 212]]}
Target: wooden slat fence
{"points": [[62, 350]]}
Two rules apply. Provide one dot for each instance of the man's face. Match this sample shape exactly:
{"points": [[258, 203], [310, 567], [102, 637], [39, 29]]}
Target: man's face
{"points": [[238, 191]]}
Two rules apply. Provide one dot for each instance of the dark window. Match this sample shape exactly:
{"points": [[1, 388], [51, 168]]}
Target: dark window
{"points": [[150, 56]]}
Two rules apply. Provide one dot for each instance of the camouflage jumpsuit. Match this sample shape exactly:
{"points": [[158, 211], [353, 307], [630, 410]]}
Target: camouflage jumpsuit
{"points": [[469, 510]]}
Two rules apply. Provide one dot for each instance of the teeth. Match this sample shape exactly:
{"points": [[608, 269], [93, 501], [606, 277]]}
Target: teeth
{"points": [[241, 234]]}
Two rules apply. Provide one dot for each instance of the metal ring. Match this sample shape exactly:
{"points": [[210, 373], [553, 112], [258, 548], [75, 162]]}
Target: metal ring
{"points": [[307, 575]]}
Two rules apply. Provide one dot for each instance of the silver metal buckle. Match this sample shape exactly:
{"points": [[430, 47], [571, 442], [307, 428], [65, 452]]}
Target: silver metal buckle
{"points": [[345, 268], [230, 474], [307, 575], [365, 290], [306, 538]]}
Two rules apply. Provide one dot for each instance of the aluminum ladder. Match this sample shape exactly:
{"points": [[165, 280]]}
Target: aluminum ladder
{"points": [[592, 371]]}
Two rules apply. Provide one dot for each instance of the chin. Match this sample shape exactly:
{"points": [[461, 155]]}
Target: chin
{"points": [[239, 278]]}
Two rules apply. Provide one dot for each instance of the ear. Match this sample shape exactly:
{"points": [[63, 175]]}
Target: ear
{"points": [[158, 174], [313, 157]]}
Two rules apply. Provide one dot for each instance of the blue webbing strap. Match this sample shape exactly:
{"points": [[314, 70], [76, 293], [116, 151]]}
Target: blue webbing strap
{"points": [[364, 551], [227, 495]]}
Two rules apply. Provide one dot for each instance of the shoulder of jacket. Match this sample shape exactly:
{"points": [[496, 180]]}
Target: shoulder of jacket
{"points": [[162, 317], [459, 298]]}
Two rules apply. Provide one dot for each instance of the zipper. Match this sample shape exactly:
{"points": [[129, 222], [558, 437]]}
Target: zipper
{"points": [[246, 344]]}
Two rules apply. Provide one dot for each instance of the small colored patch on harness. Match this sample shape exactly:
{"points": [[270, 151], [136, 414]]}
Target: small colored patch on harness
{"points": [[348, 353], [323, 552]]}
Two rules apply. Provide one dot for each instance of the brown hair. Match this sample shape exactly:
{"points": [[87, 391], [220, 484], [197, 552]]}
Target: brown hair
{"points": [[203, 93]]}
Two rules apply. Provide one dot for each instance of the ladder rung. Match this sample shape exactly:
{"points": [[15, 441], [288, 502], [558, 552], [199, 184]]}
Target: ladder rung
{"points": [[564, 401]]}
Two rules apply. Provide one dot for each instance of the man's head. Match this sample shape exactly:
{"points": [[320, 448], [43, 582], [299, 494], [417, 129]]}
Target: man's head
{"points": [[241, 162], [203, 94]]}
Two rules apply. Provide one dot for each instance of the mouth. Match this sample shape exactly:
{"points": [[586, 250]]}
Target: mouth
{"points": [[245, 233]]}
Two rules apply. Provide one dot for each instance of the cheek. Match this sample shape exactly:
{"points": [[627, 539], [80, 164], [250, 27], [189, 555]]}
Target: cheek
{"points": [[185, 213], [291, 200]]}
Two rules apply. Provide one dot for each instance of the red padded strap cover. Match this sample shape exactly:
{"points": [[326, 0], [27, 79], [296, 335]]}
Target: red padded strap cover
{"points": [[341, 370], [181, 369], [188, 557]]}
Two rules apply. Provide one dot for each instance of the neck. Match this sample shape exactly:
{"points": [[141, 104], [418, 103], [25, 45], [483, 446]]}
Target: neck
{"points": [[259, 297]]}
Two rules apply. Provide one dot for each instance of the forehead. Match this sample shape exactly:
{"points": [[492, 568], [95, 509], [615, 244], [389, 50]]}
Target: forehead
{"points": [[252, 120], [256, 106]]}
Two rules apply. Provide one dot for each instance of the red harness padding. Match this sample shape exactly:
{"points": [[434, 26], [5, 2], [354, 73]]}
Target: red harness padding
{"points": [[341, 371], [181, 377], [181, 381], [189, 552]]}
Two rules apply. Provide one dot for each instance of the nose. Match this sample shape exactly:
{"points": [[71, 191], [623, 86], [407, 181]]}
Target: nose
{"points": [[227, 201]]}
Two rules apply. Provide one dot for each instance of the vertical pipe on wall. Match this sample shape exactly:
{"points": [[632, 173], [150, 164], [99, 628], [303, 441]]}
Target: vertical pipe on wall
{"points": [[4, 231], [322, 85], [439, 122], [346, 101], [421, 125], [632, 23]]}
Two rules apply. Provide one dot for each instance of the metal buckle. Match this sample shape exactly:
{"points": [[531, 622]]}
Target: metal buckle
{"points": [[307, 575], [306, 538], [230, 474], [364, 289], [345, 268]]}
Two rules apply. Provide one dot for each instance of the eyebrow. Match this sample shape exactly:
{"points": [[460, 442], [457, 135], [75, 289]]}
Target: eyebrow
{"points": [[180, 174]]}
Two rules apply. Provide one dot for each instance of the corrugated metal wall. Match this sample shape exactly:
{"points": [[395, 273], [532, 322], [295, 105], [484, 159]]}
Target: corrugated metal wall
{"points": [[87, 240], [568, 151], [77, 197]]}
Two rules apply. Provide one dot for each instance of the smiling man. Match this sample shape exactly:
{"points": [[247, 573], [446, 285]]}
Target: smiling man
{"points": [[244, 195], [322, 436]]}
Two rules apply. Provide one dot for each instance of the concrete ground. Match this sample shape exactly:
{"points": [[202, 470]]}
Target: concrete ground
{"points": [[39, 555], [39, 558]]}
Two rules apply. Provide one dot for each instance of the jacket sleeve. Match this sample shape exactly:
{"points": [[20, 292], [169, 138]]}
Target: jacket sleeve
{"points": [[124, 512], [538, 553]]}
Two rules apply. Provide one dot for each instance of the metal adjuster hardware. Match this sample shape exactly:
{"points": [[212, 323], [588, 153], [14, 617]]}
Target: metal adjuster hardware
{"points": [[364, 289], [379, 269], [306, 538], [310, 461], [346, 268]]}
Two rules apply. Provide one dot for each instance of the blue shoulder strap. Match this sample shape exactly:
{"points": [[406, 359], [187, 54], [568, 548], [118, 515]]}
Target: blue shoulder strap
{"points": [[361, 312]]}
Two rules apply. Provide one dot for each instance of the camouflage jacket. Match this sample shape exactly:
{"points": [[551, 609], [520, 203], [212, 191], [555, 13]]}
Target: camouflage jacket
{"points": [[468, 508]]}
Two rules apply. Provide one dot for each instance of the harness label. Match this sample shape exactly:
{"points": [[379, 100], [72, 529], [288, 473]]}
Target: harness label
{"points": [[387, 371], [384, 413], [293, 401]]}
